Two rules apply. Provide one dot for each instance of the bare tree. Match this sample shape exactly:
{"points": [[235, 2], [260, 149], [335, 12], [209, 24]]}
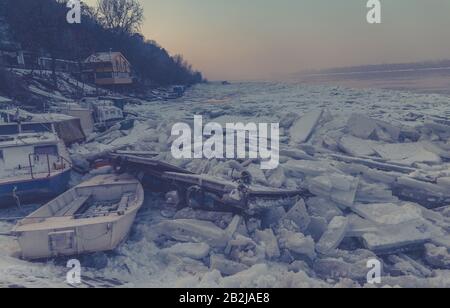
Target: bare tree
{"points": [[121, 16]]}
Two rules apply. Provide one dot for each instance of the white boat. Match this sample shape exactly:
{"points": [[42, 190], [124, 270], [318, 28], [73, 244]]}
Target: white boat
{"points": [[33, 166], [96, 215]]}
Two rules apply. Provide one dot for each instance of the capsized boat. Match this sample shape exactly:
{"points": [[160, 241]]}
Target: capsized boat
{"points": [[94, 216]]}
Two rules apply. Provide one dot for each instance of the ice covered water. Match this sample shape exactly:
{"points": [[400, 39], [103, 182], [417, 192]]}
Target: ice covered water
{"points": [[364, 154]]}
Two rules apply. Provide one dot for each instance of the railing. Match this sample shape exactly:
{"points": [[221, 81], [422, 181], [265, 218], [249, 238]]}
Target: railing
{"points": [[36, 157]]}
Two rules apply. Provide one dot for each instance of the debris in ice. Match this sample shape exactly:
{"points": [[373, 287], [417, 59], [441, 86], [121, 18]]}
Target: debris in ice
{"points": [[299, 215], [302, 130], [268, 239], [335, 234], [196, 251], [226, 267], [427, 194]]}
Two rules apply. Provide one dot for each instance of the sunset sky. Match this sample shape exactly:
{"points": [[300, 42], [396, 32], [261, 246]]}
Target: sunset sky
{"points": [[260, 39]]}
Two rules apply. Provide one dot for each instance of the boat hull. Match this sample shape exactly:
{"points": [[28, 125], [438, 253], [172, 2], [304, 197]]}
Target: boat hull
{"points": [[84, 239], [94, 216], [34, 190]]}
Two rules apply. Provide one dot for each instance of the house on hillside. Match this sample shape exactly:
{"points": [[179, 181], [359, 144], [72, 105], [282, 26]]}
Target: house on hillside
{"points": [[108, 69]]}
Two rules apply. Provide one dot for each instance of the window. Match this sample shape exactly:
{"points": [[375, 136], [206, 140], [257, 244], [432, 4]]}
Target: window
{"points": [[46, 150], [103, 75]]}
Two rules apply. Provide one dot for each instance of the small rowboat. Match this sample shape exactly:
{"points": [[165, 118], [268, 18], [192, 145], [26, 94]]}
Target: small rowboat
{"points": [[96, 215]]}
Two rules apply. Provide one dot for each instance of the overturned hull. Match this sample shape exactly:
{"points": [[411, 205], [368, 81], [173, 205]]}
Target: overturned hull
{"points": [[94, 216]]}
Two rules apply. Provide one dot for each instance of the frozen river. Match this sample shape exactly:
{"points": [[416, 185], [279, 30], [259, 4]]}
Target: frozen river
{"points": [[143, 260]]}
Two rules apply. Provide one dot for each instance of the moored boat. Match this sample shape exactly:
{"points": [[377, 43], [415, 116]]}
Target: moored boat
{"points": [[95, 216], [33, 167]]}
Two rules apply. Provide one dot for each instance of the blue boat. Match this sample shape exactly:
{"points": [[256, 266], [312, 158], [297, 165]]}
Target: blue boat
{"points": [[33, 167]]}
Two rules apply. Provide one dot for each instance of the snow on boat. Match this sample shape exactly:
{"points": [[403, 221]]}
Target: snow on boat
{"points": [[96, 215], [33, 166]]}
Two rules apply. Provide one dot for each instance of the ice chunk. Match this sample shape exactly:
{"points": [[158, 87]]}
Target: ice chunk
{"points": [[272, 216], [404, 265], [356, 146], [388, 213], [257, 174], [317, 227], [374, 193], [321, 207], [196, 251], [334, 235], [190, 230], [407, 153], [359, 226], [221, 219], [270, 242], [296, 154], [304, 127], [338, 188], [330, 268], [225, 266], [394, 238], [246, 251], [288, 120], [437, 256], [302, 168], [366, 128], [299, 214], [297, 243], [277, 178]]}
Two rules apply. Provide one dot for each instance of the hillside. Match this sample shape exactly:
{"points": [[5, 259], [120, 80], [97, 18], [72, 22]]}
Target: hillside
{"points": [[48, 34]]}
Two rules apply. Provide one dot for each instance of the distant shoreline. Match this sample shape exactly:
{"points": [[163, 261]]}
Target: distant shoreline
{"points": [[417, 80]]}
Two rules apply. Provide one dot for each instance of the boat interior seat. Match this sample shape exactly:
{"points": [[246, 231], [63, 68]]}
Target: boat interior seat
{"points": [[123, 205], [74, 206]]}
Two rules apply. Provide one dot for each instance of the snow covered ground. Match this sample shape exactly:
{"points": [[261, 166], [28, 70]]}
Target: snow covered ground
{"points": [[376, 160]]}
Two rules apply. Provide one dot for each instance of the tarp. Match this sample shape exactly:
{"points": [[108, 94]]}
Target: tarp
{"points": [[70, 131]]}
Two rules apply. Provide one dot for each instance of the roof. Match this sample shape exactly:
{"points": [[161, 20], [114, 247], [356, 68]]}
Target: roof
{"points": [[27, 139], [101, 57]]}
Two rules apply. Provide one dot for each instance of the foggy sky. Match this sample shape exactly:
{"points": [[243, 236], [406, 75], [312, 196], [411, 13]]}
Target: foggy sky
{"points": [[260, 39]]}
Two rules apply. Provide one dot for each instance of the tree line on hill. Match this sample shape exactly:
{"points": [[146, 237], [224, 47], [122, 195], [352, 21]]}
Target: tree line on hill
{"points": [[41, 27]]}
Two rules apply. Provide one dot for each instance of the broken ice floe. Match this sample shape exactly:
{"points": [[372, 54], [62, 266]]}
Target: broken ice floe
{"points": [[368, 182]]}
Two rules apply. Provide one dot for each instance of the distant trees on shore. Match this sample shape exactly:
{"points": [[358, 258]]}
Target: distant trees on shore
{"points": [[41, 27]]}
